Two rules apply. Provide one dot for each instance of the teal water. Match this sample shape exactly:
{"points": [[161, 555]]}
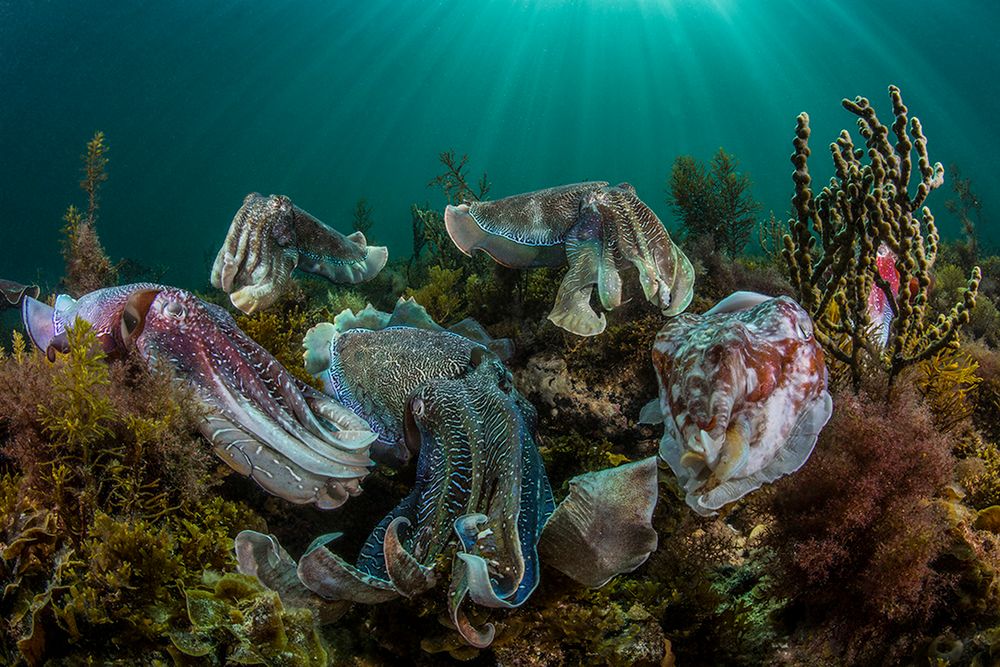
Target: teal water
{"points": [[331, 101]]}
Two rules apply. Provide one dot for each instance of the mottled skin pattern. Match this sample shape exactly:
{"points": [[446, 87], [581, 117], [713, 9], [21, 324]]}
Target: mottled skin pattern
{"points": [[742, 395], [270, 236], [479, 478], [597, 230], [381, 391], [479, 474], [11, 293], [292, 440]]}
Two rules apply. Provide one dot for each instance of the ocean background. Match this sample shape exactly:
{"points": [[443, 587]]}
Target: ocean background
{"points": [[328, 101]]}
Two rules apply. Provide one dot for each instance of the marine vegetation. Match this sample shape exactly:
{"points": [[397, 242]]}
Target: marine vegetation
{"points": [[865, 213], [967, 207], [112, 542], [715, 205], [445, 397], [361, 220], [87, 265], [859, 557], [270, 236], [596, 230]]}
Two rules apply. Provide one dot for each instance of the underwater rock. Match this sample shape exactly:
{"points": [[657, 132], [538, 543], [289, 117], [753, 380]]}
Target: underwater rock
{"points": [[447, 397], [270, 236], [743, 396], [546, 379], [598, 230], [264, 423], [12, 293]]}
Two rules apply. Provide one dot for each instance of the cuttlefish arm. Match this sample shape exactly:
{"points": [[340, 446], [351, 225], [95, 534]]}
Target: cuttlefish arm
{"points": [[266, 424], [262, 421], [259, 555], [270, 236]]}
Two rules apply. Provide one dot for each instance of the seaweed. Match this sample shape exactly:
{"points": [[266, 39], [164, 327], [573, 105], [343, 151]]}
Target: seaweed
{"points": [[362, 217], [856, 535], [714, 204], [109, 528], [87, 265]]}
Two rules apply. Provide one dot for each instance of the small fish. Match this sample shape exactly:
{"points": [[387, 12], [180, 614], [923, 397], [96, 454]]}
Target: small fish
{"points": [[880, 311]]}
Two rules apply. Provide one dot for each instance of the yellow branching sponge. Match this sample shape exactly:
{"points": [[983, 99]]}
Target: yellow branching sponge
{"points": [[834, 241]]}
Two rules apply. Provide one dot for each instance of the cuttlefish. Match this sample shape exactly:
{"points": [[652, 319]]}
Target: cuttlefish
{"points": [[294, 441], [270, 236], [743, 396], [11, 293], [597, 230], [445, 397]]}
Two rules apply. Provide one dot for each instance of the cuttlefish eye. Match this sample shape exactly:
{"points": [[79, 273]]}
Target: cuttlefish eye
{"points": [[417, 407], [506, 382], [175, 309]]}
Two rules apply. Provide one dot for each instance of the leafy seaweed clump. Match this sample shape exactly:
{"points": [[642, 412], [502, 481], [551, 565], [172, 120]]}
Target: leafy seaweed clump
{"points": [[107, 530], [87, 265]]}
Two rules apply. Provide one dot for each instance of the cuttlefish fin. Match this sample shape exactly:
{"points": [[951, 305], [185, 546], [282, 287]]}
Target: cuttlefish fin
{"points": [[316, 346], [474, 331], [409, 313], [801, 440], [13, 293], [469, 235], [38, 322], [368, 317], [261, 556], [741, 300], [604, 527]]}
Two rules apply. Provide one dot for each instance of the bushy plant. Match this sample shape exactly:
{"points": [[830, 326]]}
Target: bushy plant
{"points": [[714, 203], [855, 533], [107, 527]]}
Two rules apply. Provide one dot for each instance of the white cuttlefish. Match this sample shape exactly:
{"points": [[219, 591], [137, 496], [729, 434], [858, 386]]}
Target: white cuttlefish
{"points": [[743, 396]]}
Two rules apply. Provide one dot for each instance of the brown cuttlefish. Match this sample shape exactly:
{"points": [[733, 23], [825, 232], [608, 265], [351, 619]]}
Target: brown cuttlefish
{"points": [[743, 396]]}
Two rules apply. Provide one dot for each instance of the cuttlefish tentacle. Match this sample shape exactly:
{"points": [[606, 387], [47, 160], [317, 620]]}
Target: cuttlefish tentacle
{"points": [[596, 229], [269, 237], [259, 555]]}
